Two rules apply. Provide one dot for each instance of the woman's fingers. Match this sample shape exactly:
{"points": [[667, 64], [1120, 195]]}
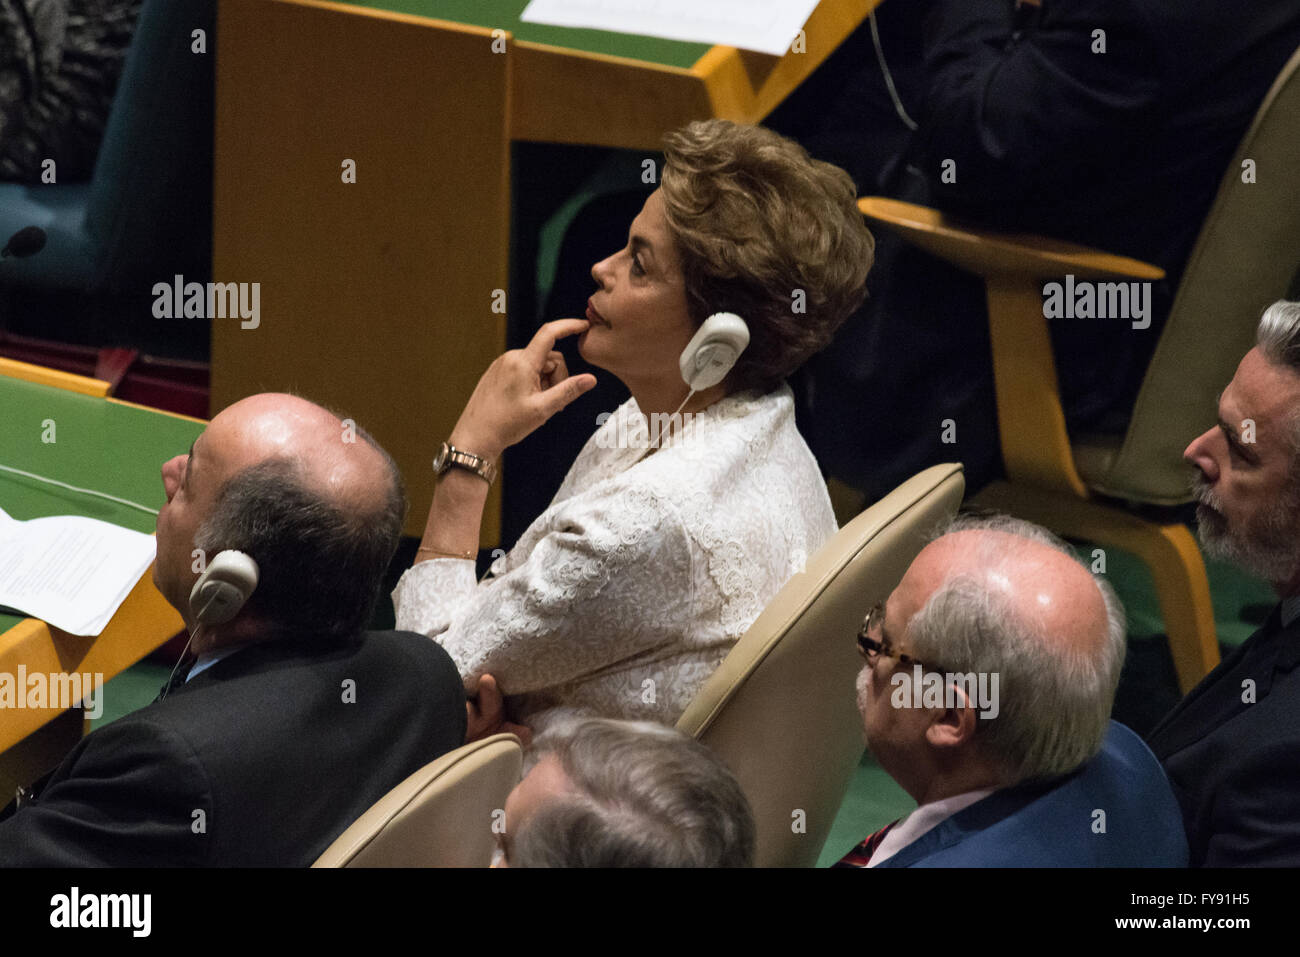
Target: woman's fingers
{"points": [[521, 390], [520, 731], [555, 370], [485, 713], [544, 340], [489, 698], [563, 392]]}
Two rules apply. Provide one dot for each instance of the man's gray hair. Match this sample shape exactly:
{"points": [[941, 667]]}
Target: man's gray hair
{"points": [[1278, 334], [1278, 337], [645, 795], [320, 562], [1054, 703]]}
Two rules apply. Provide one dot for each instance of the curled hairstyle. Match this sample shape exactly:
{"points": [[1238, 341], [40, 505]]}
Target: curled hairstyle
{"points": [[1054, 702], [756, 221], [646, 796], [320, 564]]}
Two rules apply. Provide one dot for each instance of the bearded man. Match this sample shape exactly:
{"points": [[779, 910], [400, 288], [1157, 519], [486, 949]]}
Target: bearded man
{"points": [[1231, 748]]}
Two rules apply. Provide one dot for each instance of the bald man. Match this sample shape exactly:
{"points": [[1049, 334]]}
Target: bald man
{"points": [[989, 678], [284, 723]]}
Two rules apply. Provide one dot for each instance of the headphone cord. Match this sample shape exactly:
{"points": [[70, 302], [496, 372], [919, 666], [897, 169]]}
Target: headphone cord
{"points": [[889, 77], [168, 686]]}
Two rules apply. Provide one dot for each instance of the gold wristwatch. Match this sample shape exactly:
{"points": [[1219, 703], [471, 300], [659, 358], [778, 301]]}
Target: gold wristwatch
{"points": [[449, 456]]}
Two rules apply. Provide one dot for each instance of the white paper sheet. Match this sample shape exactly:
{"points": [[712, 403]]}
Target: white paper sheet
{"points": [[70, 571], [768, 26]]}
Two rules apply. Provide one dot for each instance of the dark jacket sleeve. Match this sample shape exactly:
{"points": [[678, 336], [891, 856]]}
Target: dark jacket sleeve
{"points": [[131, 794], [1024, 108], [1254, 819]]}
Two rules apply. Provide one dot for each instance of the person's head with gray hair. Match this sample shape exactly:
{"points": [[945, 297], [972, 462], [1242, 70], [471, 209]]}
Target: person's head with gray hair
{"points": [[605, 793], [271, 510], [994, 662], [310, 497], [1278, 334], [1247, 484]]}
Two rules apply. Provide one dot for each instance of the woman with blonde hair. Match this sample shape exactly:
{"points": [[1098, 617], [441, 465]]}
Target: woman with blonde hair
{"points": [[688, 508]]}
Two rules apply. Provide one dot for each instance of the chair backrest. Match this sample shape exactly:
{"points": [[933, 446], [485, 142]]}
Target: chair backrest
{"points": [[1246, 257], [441, 816], [150, 205], [781, 710]]}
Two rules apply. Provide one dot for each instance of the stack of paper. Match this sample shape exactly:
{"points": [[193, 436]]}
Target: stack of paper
{"points": [[768, 26], [70, 571]]}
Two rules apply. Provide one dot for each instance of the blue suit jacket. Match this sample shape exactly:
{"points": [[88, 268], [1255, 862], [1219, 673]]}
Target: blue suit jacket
{"points": [[1056, 824]]}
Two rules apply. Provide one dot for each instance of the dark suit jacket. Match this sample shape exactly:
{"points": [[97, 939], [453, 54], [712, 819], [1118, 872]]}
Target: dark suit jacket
{"points": [[1056, 824], [1234, 765], [263, 759], [1122, 150]]}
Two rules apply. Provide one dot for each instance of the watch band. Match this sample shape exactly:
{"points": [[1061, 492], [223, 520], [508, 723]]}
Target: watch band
{"points": [[449, 456]]}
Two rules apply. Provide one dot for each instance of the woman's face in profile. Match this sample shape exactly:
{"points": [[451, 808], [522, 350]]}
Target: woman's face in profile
{"points": [[639, 319]]}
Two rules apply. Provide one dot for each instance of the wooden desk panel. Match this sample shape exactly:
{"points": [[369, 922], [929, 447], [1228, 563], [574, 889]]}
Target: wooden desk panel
{"points": [[376, 297], [113, 447]]}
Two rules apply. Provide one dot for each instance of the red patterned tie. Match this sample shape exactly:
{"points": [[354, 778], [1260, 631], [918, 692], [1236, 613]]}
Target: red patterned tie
{"points": [[860, 855]]}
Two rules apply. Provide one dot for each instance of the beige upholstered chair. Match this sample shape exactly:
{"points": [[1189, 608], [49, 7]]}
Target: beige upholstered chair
{"points": [[1245, 258], [441, 816], [781, 710]]}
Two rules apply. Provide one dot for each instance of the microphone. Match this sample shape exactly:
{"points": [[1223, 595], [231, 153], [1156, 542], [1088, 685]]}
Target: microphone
{"points": [[25, 242]]}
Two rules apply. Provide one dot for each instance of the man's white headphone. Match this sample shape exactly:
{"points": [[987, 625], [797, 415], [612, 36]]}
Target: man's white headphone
{"points": [[223, 588]]}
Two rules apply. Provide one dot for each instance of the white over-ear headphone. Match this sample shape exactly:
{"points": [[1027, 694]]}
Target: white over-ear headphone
{"points": [[223, 588], [218, 594], [713, 350]]}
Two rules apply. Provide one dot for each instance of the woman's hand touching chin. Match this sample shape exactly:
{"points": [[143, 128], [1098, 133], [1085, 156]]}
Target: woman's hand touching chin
{"points": [[520, 391]]}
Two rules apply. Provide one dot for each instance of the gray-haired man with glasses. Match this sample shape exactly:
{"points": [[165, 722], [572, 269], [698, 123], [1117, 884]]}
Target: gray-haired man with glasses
{"points": [[986, 694]]}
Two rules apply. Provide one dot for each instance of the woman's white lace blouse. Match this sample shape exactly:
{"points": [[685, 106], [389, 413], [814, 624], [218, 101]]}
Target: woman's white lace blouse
{"points": [[627, 592]]}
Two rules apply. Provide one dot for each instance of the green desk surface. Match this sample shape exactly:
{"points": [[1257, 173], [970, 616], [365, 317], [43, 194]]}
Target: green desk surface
{"points": [[97, 444], [504, 15]]}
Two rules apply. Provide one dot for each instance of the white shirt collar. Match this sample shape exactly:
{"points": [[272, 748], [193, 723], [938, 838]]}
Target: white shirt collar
{"points": [[924, 818]]}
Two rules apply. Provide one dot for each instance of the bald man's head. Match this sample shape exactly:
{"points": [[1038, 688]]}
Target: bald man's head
{"points": [[1003, 597], [333, 457], [312, 498], [1041, 585]]}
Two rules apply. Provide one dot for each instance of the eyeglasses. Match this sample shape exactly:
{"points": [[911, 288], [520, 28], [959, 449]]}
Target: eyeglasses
{"points": [[872, 647]]}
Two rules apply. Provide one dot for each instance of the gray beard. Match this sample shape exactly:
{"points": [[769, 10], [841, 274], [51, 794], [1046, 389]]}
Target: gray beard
{"points": [[1269, 546]]}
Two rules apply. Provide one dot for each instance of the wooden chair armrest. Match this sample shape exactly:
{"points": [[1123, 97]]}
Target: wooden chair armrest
{"points": [[986, 252], [1031, 423]]}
